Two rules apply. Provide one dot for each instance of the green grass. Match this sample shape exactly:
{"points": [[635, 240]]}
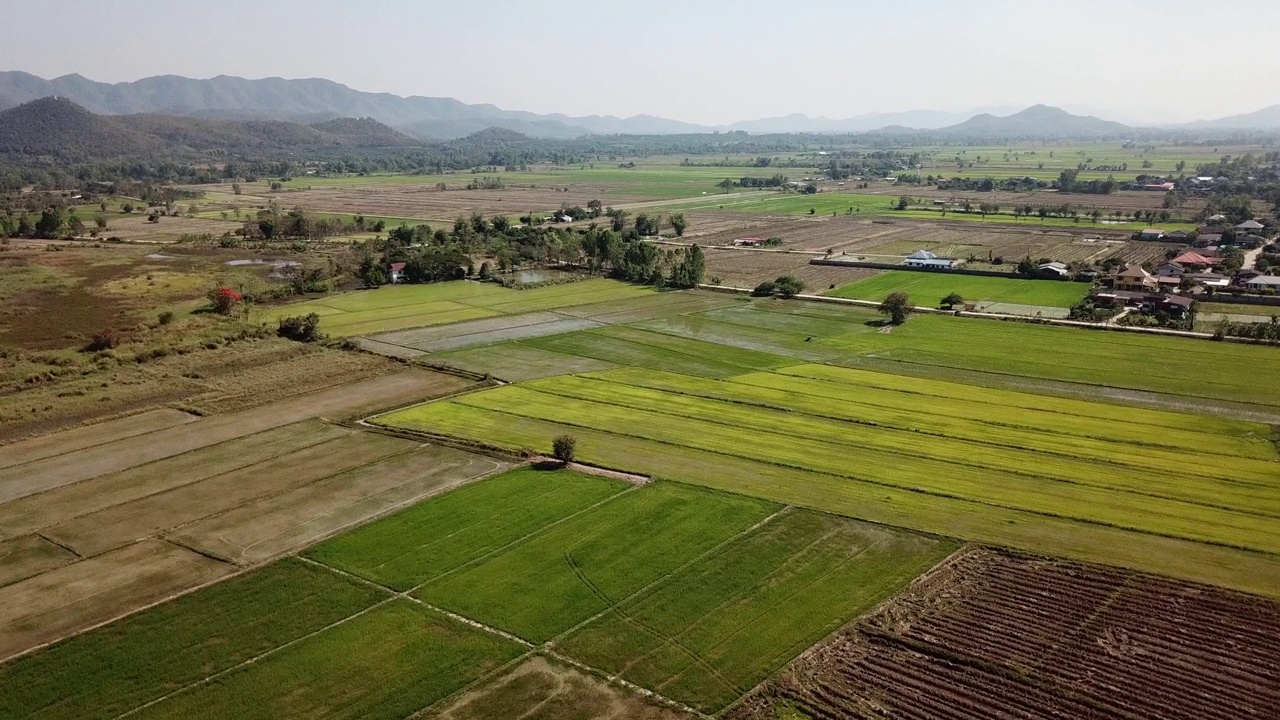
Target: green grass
{"points": [[388, 663], [927, 288], [430, 539], [116, 668], [715, 629], [569, 573], [400, 307], [639, 348], [1077, 466]]}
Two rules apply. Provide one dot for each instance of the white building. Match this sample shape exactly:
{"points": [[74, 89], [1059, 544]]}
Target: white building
{"points": [[926, 259]]}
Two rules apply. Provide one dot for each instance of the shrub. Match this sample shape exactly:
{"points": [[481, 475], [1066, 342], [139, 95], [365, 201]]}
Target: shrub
{"points": [[765, 289], [563, 448], [788, 286], [224, 300], [166, 317], [300, 327], [104, 340]]}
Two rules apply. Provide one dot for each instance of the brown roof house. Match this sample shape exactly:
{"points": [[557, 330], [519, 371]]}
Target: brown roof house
{"points": [[1133, 279]]}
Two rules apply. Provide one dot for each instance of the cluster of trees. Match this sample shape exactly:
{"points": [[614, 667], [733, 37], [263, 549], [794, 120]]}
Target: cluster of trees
{"points": [[1256, 330], [1069, 181], [786, 286], [432, 255], [773, 181]]}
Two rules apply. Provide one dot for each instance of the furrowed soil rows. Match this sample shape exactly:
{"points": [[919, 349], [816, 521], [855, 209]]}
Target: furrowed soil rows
{"points": [[990, 628]]}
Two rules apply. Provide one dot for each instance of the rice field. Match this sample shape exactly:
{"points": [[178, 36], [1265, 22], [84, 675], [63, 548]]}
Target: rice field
{"points": [[399, 307], [928, 288], [1046, 474]]}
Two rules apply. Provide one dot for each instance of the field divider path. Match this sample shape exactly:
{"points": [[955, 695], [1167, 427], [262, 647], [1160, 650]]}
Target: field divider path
{"points": [[64, 546]]}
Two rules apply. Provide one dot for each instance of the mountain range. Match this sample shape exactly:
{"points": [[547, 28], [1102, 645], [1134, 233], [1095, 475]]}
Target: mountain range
{"points": [[312, 101]]}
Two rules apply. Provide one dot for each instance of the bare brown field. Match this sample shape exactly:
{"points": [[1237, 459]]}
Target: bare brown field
{"points": [[136, 228], [548, 690], [123, 518], [748, 268], [28, 555], [996, 635], [1129, 200], [225, 379], [54, 604], [427, 203], [276, 524], [340, 402]]}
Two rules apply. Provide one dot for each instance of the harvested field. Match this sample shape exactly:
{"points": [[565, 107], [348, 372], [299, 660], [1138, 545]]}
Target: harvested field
{"points": [[136, 227], [514, 362], [550, 690], [244, 487], [427, 203], [748, 268], [486, 332], [54, 604], [992, 634]]}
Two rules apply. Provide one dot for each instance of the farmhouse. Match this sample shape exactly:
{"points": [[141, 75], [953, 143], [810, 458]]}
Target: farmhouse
{"points": [[1248, 226], [1171, 269], [1151, 234], [1179, 235], [1263, 282], [926, 259], [1175, 306], [1133, 279], [1192, 260], [748, 242], [1210, 280], [1204, 240], [1054, 269], [1159, 187], [395, 272]]}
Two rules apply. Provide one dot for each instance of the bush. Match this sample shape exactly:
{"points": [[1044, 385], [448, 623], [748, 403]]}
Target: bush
{"points": [[300, 327], [166, 317], [224, 300], [104, 340], [765, 289], [788, 286], [563, 448]]}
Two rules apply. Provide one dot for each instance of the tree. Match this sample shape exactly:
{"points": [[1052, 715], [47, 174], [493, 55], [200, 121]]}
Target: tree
{"points": [[300, 327], [765, 289], [500, 223], [594, 208], [371, 272], [903, 202], [563, 448], [689, 270], [485, 272], [726, 184], [235, 188], [897, 306], [788, 286], [53, 220], [952, 300], [678, 223]]}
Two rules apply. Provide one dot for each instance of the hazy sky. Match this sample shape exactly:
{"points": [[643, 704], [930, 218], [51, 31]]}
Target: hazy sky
{"points": [[707, 61]]}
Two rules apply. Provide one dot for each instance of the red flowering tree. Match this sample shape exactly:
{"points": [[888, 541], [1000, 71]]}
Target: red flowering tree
{"points": [[224, 300]]}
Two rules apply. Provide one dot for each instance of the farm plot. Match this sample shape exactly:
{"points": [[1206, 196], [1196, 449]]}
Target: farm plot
{"points": [[925, 288], [990, 465], [748, 268], [401, 307], [695, 594], [1098, 364], [997, 635], [554, 691], [121, 519], [628, 346]]}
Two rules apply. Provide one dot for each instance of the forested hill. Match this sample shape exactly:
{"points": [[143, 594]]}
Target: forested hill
{"points": [[57, 129]]}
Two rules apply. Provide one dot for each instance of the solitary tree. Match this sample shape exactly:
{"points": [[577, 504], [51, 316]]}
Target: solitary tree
{"points": [[563, 448], [952, 300], [788, 286], [897, 306], [678, 223]]}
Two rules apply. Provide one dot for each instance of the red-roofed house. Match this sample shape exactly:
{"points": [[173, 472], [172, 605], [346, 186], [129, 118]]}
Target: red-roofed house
{"points": [[395, 272], [1193, 260]]}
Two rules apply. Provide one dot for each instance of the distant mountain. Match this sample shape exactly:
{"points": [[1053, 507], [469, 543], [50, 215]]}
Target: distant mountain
{"points": [[60, 129], [280, 99], [1037, 121], [1264, 119]]}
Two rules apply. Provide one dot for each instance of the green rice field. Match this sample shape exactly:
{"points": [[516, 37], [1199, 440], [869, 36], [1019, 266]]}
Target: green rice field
{"points": [[927, 288], [1044, 474]]}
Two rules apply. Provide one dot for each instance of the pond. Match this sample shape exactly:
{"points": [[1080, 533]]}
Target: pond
{"points": [[259, 261], [527, 277]]}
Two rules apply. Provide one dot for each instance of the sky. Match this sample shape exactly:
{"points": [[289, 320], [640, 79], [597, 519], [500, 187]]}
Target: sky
{"points": [[703, 61]]}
